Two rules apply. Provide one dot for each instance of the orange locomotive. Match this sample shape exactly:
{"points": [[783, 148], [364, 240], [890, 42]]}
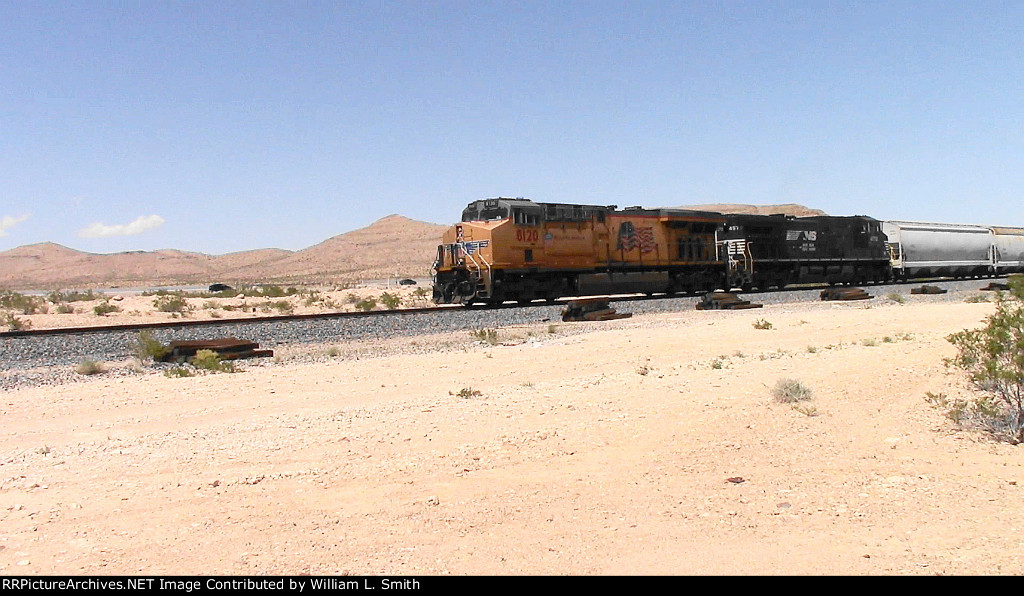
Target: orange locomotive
{"points": [[515, 249]]}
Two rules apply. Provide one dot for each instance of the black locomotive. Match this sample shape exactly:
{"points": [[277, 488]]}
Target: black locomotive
{"points": [[764, 251]]}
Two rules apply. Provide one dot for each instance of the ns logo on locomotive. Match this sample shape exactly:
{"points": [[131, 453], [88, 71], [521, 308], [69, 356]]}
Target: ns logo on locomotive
{"points": [[515, 249]]}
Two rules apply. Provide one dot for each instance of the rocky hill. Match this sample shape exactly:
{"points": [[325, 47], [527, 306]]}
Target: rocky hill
{"points": [[786, 209], [394, 245]]}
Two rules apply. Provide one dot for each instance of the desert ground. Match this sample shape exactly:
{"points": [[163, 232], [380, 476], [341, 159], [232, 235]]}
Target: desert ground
{"points": [[123, 308], [649, 445]]}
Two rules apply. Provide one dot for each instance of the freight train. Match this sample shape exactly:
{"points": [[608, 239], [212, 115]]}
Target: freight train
{"points": [[509, 249]]}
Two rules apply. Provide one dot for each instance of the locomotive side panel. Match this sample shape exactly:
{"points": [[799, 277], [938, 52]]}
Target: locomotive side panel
{"points": [[788, 250], [664, 238], [652, 251]]}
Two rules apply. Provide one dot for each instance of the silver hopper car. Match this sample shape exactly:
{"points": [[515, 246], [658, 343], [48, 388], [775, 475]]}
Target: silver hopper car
{"points": [[919, 249]]}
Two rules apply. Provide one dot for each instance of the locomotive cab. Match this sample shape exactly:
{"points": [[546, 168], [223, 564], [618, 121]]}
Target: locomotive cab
{"points": [[464, 265]]}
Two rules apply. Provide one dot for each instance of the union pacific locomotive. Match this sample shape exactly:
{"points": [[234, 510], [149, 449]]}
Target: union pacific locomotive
{"points": [[515, 249]]}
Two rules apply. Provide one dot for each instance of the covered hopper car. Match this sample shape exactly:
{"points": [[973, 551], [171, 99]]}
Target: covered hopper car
{"points": [[919, 249], [1008, 250]]}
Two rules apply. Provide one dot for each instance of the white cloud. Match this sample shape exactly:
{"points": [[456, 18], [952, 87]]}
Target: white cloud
{"points": [[9, 222], [140, 225]]}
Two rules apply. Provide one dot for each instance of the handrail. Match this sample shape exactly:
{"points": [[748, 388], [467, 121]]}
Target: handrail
{"points": [[479, 269]]}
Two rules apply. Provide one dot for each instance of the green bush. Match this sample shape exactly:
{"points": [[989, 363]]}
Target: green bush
{"points": [[390, 301], [104, 308], [487, 336], [172, 303], [147, 348], [211, 361], [789, 391], [14, 323], [993, 358], [73, 296], [26, 305], [273, 291], [178, 371], [281, 306], [366, 305], [762, 324], [89, 367]]}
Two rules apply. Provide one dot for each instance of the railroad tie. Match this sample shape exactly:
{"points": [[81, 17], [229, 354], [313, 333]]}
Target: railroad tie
{"points": [[725, 301], [591, 309], [228, 348], [844, 294]]}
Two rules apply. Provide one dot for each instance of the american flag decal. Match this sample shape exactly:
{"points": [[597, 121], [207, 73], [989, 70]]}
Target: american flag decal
{"points": [[631, 237], [472, 247]]}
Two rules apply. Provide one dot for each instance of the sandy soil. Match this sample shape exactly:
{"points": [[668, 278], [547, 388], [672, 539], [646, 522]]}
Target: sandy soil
{"points": [[131, 309], [649, 445]]}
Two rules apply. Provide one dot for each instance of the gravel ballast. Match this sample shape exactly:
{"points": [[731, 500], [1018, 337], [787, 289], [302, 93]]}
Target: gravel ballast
{"points": [[26, 361]]}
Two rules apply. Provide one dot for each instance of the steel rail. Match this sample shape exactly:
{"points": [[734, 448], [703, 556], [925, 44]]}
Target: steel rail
{"points": [[24, 333], [223, 321]]}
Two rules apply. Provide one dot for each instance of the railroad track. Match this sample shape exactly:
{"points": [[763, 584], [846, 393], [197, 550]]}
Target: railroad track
{"points": [[212, 322], [24, 353], [184, 324]]}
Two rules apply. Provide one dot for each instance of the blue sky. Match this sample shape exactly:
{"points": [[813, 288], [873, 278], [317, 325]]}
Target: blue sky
{"points": [[227, 126]]}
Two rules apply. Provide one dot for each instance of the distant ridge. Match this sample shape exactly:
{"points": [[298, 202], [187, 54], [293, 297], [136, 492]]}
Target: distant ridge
{"points": [[393, 245], [739, 208]]}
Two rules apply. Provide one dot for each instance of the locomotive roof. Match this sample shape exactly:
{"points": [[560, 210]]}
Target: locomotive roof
{"points": [[780, 218], [691, 213], [528, 204], [571, 210]]}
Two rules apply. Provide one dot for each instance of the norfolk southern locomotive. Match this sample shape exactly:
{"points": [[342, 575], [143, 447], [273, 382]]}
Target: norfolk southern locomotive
{"points": [[516, 249]]}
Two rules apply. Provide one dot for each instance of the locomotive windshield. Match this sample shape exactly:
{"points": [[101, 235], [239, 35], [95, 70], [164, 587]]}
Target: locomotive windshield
{"points": [[478, 212]]}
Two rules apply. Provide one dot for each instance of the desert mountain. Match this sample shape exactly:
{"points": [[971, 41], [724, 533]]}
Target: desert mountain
{"points": [[49, 265], [394, 245], [786, 209], [391, 246]]}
